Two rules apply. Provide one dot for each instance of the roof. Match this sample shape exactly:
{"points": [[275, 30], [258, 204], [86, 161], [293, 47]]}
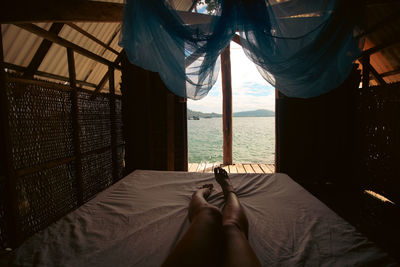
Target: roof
{"points": [[31, 39]]}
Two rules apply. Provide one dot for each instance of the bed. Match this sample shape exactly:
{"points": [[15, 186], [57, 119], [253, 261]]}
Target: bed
{"points": [[139, 220]]}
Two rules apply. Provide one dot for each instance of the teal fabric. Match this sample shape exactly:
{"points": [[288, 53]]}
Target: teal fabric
{"points": [[303, 47]]}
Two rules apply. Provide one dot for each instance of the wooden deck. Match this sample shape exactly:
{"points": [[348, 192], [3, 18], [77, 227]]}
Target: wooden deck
{"points": [[236, 168]]}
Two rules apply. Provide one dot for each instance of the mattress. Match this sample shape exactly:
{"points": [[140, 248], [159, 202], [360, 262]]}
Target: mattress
{"points": [[140, 219]]}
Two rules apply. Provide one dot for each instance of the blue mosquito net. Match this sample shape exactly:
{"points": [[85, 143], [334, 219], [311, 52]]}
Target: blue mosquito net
{"points": [[303, 47]]}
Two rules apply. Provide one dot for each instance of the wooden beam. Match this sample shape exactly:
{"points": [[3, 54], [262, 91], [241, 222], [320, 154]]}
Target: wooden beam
{"points": [[58, 40], [193, 5], [46, 75], [376, 75], [390, 73], [226, 105], [116, 31], [236, 39], [25, 11], [93, 38], [75, 126], [395, 40], [42, 51], [105, 78]]}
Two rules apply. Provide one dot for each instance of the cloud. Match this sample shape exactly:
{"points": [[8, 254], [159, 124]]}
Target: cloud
{"points": [[249, 89]]}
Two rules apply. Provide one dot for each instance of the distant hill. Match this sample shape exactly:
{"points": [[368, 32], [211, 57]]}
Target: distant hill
{"points": [[253, 113], [198, 114]]}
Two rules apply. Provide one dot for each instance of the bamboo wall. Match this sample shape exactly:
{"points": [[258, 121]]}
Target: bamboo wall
{"points": [[61, 146]]}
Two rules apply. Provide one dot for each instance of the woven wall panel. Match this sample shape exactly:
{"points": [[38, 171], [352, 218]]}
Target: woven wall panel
{"points": [[3, 223], [42, 143], [45, 196], [40, 124], [95, 123], [96, 173]]}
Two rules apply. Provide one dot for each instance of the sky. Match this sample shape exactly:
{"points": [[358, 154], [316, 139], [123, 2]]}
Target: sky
{"points": [[249, 89]]}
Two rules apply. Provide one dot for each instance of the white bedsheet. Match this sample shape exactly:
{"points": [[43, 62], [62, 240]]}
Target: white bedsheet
{"points": [[139, 220]]}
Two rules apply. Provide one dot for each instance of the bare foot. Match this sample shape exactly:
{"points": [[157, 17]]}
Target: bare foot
{"points": [[204, 191], [199, 200], [223, 179]]}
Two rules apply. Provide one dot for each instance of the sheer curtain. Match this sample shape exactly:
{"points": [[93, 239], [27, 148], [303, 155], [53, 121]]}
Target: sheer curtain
{"points": [[303, 47]]}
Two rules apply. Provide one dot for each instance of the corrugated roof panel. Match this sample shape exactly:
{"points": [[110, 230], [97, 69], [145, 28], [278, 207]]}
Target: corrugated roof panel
{"points": [[19, 46], [96, 71], [83, 65], [102, 31], [115, 42], [80, 40], [55, 61]]}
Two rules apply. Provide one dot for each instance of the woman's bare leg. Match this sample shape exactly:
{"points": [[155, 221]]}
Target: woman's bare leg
{"points": [[237, 250], [201, 245]]}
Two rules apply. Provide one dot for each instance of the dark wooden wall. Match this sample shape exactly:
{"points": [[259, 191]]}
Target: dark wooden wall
{"points": [[155, 123], [342, 143], [315, 137]]}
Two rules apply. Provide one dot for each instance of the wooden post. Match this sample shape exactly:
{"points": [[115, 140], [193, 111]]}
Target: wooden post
{"points": [[226, 105], [75, 124], [114, 151], [365, 71], [12, 220]]}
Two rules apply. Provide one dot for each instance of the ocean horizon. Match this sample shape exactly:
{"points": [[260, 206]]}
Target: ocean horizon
{"points": [[253, 140]]}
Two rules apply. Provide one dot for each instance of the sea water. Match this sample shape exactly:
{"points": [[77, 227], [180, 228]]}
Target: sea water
{"points": [[253, 140]]}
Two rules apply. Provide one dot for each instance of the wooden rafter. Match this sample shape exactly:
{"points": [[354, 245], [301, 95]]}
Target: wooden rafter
{"points": [[236, 39], [42, 51], [47, 75], [376, 75], [116, 31], [91, 37], [390, 73], [25, 11], [394, 41], [61, 41], [193, 5], [105, 78], [75, 11]]}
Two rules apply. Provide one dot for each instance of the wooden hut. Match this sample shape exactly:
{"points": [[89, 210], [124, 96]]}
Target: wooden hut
{"points": [[72, 123]]}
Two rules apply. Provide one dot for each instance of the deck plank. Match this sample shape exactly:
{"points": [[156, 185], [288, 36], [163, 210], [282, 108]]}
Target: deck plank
{"points": [[232, 169], [248, 168], [271, 167], [202, 166], [226, 168], [265, 168], [240, 168], [209, 167], [256, 168], [193, 167]]}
